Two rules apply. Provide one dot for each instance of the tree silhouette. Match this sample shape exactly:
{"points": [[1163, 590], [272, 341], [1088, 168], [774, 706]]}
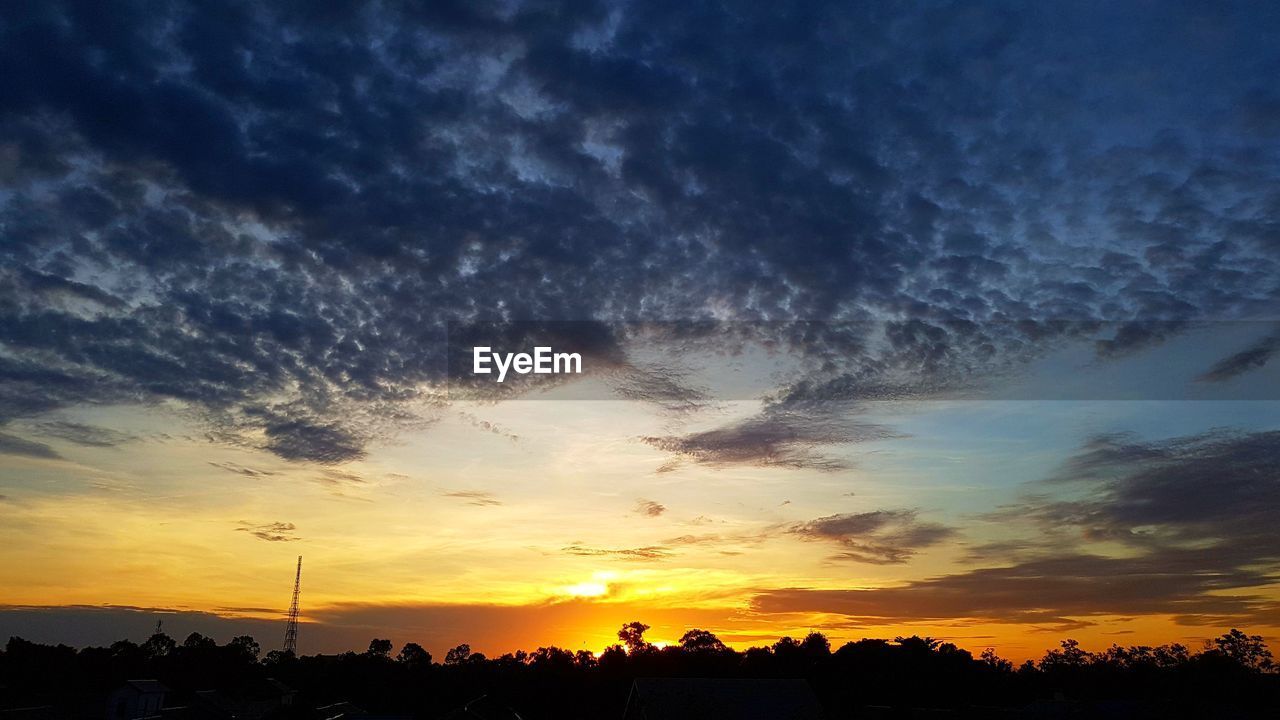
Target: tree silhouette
{"points": [[917, 644], [614, 657], [1170, 655], [786, 647], [196, 640], [632, 636], [552, 658], [413, 655], [247, 645], [1233, 676], [1069, 656], [158, 645], [994, 661], [458, 655], [816, 645], [1248, 651], [701, 641], [277, 657], [585, 659]]}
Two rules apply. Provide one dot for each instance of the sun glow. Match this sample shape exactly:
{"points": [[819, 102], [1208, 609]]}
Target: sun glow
{"points": [[587, 589], [597, 587]]}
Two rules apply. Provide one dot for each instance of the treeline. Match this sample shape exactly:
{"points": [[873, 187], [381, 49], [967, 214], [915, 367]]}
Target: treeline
{"points": [[1233, 672]]}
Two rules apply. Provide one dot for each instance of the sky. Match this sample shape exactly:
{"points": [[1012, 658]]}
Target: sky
{"points": [[948, 319]]}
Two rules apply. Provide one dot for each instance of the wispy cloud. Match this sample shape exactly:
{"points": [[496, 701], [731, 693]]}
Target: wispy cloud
{"points": [[478, 498], [649, 508], [1064, 591], [647, 553], [1251, 358], [771, 439], [1195, 512], [14, 445], [880, 537], [271, 532], [241, 469], [339, 478], [81, 434]]}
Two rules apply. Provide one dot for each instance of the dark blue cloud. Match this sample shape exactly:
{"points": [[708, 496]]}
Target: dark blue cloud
{"points": [[270, 214]]}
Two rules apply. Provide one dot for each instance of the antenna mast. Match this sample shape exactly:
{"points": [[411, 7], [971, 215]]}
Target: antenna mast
{"points": [[291, 630]]}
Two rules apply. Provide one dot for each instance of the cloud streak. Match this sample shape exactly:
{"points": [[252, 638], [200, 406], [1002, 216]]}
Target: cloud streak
{"points": [[474, 497], [772, 439], [270, 532], [649, 508], [81, 434], [14, 445], [648, 553], [1194, 513], [1251, 358], [880, 537]]}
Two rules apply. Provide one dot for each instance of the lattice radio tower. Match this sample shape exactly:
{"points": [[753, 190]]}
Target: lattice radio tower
{"points": [[291, 630]]}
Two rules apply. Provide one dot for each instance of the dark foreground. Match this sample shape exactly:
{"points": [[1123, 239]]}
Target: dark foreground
{"points": [[1233, 677]]}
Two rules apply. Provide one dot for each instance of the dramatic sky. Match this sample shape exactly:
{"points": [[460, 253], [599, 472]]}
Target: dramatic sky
{"points": [[955, 319]]}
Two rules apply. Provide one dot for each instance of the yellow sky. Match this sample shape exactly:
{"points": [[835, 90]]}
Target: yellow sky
{"points": [[537, 522]]}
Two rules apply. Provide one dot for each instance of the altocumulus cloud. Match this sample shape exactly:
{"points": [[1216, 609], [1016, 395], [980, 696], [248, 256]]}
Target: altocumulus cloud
{"points": [[274, 235]]}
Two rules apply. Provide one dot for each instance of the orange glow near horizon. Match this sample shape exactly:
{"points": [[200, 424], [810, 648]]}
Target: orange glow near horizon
{"points": [[474, 552], [593, 626]]}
